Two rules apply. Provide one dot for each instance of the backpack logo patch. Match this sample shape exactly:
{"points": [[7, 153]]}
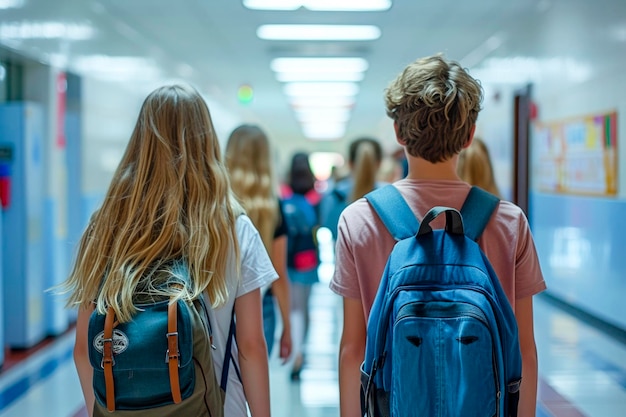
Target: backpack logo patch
{"points": [[120, 342]]}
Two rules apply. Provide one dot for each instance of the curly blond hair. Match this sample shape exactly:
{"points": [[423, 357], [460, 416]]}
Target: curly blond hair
{"points": [[434, 103]]}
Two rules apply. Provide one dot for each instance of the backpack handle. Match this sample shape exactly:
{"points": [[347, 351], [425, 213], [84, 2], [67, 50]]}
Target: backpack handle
{"points": [[454, 221]]}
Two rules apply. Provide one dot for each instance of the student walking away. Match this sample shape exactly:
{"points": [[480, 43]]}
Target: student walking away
{"points": [[170, 240], [434, 104], [249, 163], [300, 208], [475, 167], [365, 156]]}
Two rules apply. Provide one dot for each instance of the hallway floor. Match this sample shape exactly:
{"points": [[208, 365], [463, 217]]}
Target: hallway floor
{"points": [[582, 371]]}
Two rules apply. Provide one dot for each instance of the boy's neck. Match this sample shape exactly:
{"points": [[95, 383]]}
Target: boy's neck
{"points": [[421, 169]]}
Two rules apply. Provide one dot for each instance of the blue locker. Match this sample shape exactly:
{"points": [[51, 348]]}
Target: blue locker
{"points": [[22, 129]]}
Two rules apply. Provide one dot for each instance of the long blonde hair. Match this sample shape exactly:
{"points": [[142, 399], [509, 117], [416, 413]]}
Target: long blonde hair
{"points": [[169, 199], [365, 157], [249, 163], [474, 167]]}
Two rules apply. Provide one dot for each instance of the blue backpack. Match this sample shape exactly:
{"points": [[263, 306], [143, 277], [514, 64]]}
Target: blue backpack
{"points": [[301, 221], [441, 337]]}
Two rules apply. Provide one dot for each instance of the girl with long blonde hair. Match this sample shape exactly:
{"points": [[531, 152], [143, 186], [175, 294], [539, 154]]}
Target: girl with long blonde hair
{"points": [[249, 163], [170, 199], [474, 167]]}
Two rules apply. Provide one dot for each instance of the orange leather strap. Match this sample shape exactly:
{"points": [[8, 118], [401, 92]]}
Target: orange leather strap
{"points": [[107, 359], [173, 354]]}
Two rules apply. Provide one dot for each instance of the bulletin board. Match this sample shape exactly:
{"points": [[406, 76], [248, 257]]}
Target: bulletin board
{"points": [[577, 155]]}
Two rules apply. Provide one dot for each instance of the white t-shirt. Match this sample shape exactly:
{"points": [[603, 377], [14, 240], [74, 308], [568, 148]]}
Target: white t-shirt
{"points": [[256, 271]]}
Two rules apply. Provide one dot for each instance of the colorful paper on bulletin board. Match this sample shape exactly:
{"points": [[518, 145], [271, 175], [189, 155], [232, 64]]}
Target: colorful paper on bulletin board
{"points": [[578, 155]]}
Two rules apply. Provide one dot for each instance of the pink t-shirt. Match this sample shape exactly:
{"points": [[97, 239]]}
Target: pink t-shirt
{"points": [[363, 242]]}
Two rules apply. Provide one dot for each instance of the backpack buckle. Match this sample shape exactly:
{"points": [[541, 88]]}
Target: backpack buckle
{"points": [[173, 343], [168, 357], [107, 353]]}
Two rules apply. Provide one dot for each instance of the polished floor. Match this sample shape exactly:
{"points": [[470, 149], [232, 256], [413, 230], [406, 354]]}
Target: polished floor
{"points": [[582, 371]]}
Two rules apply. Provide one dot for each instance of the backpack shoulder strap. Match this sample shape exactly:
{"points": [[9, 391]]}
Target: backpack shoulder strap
{"points": [[477, 210], [394, 212]]}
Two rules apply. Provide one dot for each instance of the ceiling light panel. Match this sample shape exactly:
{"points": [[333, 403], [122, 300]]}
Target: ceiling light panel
{"points": [[320, 5], [11, 4], [319, 64], [46, 30], [319, 102], [318, 32], [314, 89], [289, 77], [334, 115], [324, 131]]}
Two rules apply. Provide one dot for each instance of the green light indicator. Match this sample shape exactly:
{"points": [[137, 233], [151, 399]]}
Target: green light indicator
{"points": [[245, 94]]}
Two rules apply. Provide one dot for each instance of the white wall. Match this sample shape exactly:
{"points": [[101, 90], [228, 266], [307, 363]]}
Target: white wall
{"points": [[110, 111]]}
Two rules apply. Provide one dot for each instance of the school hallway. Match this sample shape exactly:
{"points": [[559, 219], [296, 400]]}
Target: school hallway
{"points": [[582, 370]]}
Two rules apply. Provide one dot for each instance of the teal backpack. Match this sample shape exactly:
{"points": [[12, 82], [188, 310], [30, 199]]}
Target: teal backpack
{"points": [[160, 362]]}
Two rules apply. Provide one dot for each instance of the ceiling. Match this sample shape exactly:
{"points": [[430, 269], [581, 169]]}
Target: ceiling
{"points": [[213, 44]]}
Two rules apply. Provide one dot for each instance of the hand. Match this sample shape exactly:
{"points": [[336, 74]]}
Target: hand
{"points": [[285, 345]]}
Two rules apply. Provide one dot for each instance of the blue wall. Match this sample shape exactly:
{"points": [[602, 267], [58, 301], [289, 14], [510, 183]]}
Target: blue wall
{"points": [[581, 243]]}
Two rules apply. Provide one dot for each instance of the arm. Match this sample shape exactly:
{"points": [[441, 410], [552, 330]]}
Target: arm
{"points": [[351, 354], [253, 353], [280, 289], [81, 357], [528, 395]]}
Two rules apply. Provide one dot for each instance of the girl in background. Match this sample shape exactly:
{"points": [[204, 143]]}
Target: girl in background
{"points": [[300, 208], [170, 199], [474, 167], [249, 163]]}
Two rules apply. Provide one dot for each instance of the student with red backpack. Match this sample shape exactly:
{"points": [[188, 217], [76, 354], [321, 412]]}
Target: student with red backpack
{"points": [[434, 104], [300, 202]]}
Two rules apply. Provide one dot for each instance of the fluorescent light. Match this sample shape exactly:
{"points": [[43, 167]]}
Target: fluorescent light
{"points": [[320, 5], [117, 67], [11, 4], [329, 102], [289, 77], [319, 32], [319, 64], [348, 5], [321, 89], [327, 131], [272, 4], [46, 30], [325, 115]]}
